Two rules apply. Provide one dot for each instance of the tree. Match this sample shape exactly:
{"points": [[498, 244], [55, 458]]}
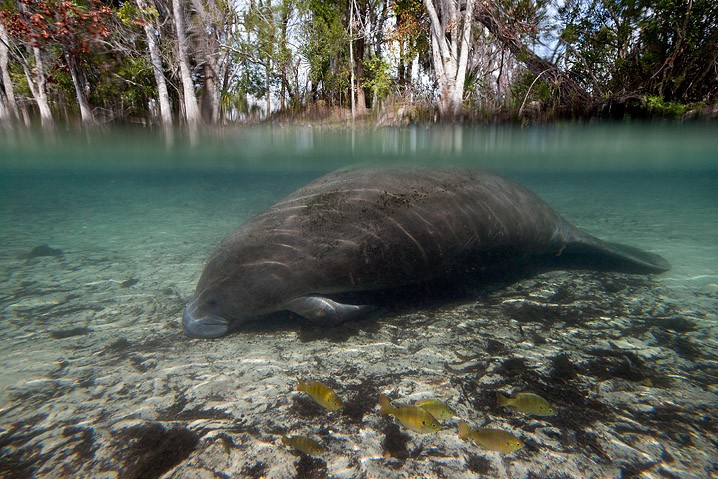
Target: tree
{"points": [[618, 48], [261, 46], [146, 15], [7, 94], [14, 23], [411, 34], [191, 108], [508, 31], [325, 48], [450, 44], [288, 67], [75, 28]]}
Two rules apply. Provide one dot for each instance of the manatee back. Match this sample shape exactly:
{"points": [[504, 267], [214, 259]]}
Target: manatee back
{"points": [[372, 229]]}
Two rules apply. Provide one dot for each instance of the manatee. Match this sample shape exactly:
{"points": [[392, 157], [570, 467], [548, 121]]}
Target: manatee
{"points": [[371, 230]]}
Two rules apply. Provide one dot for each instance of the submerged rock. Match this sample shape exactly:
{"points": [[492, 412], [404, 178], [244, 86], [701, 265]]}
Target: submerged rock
{"points": [[45, 250]]}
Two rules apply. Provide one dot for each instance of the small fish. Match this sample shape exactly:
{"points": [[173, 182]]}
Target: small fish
{"points": [[491, 439], [323, 395], [439, 409], [303, 444], [412, 417], [527, 403]]}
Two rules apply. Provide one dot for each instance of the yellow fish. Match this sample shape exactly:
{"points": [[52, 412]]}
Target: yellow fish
{"points": [[323, 395], [303, 444], [491, 439], [527, 403], [439, 409], [412, 417]]}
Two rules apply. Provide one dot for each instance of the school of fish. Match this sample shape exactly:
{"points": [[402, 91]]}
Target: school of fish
{"points": [[423, 417]]}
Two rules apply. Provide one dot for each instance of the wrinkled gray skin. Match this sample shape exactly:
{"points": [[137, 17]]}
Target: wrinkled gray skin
{"points": [[376, 229]]}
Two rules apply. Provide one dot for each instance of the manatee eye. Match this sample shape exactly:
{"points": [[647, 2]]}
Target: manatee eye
{"points": [[212, 302]]}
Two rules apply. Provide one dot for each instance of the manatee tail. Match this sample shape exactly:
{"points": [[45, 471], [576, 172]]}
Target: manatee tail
{"points": [[594, 253]]}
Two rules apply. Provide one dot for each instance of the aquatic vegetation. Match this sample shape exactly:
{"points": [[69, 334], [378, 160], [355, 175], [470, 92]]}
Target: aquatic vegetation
{"points": [[562, 368], [45, 250], [304, 444], [323, 395], [154, 449], [491, 439], [527, 403], [395, 442], [412, 417]]}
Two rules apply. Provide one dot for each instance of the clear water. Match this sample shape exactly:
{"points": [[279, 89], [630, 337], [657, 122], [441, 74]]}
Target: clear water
{"points": [[126, 207]]}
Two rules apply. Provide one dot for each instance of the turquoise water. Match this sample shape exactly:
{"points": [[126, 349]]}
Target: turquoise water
{"points": [[135, 220]]}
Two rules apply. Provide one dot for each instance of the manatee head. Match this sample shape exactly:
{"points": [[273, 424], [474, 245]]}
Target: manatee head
{"points": [[237, 285], [204, 316]]}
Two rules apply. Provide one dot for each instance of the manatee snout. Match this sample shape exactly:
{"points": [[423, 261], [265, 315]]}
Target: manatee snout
{"points": [[201, 321]]}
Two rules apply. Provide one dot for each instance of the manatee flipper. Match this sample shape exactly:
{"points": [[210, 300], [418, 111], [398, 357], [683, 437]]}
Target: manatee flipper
{"points": [[598, 254], [321, 310]]}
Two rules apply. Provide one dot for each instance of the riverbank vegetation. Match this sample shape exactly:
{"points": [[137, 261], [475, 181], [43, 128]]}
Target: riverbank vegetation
{"points": [[218, 62]]}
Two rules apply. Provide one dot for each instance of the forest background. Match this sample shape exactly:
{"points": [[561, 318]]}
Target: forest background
{"points": [[218, 62]]}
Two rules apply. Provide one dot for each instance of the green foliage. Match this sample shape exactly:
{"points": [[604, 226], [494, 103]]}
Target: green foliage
{"points": [[19, 80], [528, 88], [666, 48], [131, 15], [260, 52], [235, 101], [259, 22], [378, 78], [411, 32], [128, 13], [658, 107], [662, 54], [326, 46], [126, 84]]}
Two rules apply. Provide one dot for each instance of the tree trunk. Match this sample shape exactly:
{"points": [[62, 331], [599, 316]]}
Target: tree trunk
{"points": [[38, 88], [360, 45], [571, 94], [267, 85], [190, 99], [10, 101], [351, 60], [79, 82], [209, 103], [450, 44], [5, 117], [157, 69], [286, 57]]}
